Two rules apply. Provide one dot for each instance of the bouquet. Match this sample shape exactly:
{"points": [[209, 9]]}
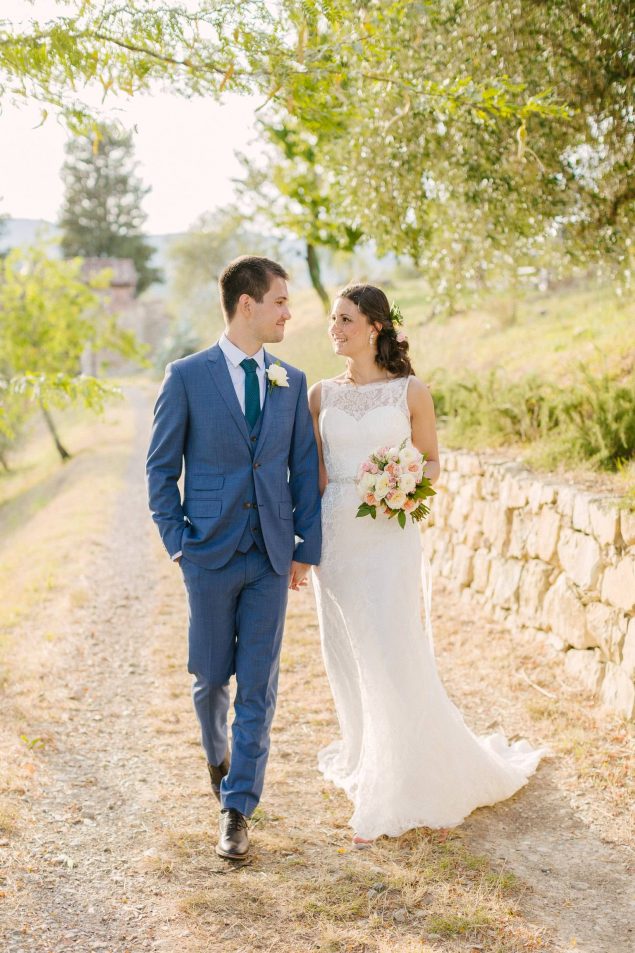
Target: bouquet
{"points": [[393, 480]]}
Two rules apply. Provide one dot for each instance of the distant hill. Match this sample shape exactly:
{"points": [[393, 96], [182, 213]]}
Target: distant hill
{"points": [[24, 231]]}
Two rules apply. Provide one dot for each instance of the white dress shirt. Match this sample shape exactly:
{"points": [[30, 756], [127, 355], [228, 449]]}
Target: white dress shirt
{"points": [[233, 357]]}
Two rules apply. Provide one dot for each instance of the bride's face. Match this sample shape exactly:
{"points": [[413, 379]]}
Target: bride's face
{"points": [[349, 329]]}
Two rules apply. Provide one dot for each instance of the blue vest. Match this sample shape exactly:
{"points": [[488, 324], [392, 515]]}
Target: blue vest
{"points": [[252, 533]]}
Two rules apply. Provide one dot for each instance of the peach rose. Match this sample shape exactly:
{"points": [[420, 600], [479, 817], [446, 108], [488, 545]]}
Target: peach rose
{"points": [[396, 500]]}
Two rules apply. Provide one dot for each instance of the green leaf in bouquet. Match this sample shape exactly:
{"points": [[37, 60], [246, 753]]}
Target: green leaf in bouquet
{"points": [[401, 518]]}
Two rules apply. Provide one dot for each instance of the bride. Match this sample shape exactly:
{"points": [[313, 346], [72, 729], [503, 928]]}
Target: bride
{"points": [[405, 757]]}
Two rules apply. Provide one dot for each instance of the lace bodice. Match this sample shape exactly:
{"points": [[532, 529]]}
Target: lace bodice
{"points": [[355, 420]]}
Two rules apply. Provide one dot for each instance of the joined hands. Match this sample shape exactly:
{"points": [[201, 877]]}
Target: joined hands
{"points": [[298, 575]]}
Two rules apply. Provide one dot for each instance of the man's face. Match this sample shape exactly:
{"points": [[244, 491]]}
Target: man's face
{"points": [[269, 316]]}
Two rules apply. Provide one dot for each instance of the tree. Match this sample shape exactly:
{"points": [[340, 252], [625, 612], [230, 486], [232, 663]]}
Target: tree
{"points": [[48, 316], [292, 191], [102, 215], [500, 123]]}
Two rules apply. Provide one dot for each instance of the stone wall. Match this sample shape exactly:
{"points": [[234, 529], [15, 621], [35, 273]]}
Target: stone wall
{"points": [[544, 556]]}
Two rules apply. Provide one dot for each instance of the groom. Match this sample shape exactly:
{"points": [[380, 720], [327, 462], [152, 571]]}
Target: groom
{"points": [[241, 425]]}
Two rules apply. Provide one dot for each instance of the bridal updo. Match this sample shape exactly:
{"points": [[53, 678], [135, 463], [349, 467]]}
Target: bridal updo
{"points": [[392, 354]]}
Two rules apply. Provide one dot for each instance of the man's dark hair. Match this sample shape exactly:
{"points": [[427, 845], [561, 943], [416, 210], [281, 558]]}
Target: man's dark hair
{"points": [[247, 275]]}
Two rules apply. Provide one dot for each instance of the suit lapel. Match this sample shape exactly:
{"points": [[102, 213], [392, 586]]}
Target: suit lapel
{"points": [[223, 382]]}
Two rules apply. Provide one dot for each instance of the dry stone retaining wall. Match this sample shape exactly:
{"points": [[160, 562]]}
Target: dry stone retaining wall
{"points": [[545, 556]]}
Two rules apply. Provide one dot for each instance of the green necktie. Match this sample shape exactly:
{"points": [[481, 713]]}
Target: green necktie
{"points": [[252, 391]]}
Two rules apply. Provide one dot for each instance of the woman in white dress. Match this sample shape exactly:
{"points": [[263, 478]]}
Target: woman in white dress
{"points": [[405, 756]]}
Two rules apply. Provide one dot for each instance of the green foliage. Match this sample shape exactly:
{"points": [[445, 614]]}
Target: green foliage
{"points": [[592, 420], [475, 138], [49, 315], [601, 413], [291, 192], [14, 412], [102, 215]]}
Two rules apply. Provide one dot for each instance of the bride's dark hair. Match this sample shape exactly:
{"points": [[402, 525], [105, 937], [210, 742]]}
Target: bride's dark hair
{"points": [[392, 354]]}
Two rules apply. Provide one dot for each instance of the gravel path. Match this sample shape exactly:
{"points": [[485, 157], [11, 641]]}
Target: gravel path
{"points": [[113, 845]]}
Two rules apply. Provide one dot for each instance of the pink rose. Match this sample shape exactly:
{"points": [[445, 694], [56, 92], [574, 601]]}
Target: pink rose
{"points": [[410, 505]]}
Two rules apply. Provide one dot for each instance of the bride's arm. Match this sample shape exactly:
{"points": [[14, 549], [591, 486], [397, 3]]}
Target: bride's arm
{"points": [[424, 430], [315, 401]]}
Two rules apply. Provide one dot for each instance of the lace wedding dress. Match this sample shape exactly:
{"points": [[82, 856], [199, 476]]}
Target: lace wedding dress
{"points": [[405, 757]]}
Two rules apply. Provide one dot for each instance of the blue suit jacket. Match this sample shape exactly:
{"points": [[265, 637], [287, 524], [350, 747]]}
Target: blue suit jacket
{"points": [[198, 421]]}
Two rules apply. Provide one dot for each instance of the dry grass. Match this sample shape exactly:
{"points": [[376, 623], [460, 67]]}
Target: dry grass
{"points": [[52, 517]]}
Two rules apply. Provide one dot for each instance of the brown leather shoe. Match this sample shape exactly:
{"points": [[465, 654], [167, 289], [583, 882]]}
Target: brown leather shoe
{"points": [[216, 773], [233, 842]]}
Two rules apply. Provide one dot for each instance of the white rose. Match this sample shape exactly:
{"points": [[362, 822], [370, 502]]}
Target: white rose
{"points": [[365, 484], [409, 455], [397, 500], [382, 486], [277, 374], [407, 482]]}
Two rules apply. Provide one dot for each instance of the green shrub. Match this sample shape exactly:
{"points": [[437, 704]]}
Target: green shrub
{"points": [[592, 420], [601, 415]]}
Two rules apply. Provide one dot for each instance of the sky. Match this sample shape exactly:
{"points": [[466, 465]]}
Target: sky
{"points": [[185, 150]]}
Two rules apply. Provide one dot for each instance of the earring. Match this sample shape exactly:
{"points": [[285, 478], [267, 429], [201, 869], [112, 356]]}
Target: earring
{"points": [[372, 338]]}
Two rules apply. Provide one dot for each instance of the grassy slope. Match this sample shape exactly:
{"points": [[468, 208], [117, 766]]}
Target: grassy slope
{"points": [[551, 334]]}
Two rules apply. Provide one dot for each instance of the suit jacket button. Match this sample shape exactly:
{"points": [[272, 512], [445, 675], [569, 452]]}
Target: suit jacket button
{"points": [[247, 506], [253, 439], [256, 465]]}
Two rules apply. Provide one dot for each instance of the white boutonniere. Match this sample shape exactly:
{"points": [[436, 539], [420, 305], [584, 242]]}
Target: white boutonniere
{"points": [[277, 375]]}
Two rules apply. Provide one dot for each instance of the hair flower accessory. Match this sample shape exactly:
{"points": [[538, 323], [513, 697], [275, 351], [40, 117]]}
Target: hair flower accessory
{"points": [[395, 314], [396, 318]]}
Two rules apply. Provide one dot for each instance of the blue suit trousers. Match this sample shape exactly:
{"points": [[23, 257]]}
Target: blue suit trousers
{"points": [[238, 612]]}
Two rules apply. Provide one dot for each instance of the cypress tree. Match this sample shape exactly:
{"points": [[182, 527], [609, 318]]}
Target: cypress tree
{"points": [[102, 216]]}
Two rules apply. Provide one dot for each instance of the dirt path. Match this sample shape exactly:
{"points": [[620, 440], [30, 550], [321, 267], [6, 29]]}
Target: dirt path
{"points": [[110, 844]]}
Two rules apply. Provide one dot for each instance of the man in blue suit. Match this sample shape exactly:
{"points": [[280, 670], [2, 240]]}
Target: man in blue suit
{"points": [[240, 423]]}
